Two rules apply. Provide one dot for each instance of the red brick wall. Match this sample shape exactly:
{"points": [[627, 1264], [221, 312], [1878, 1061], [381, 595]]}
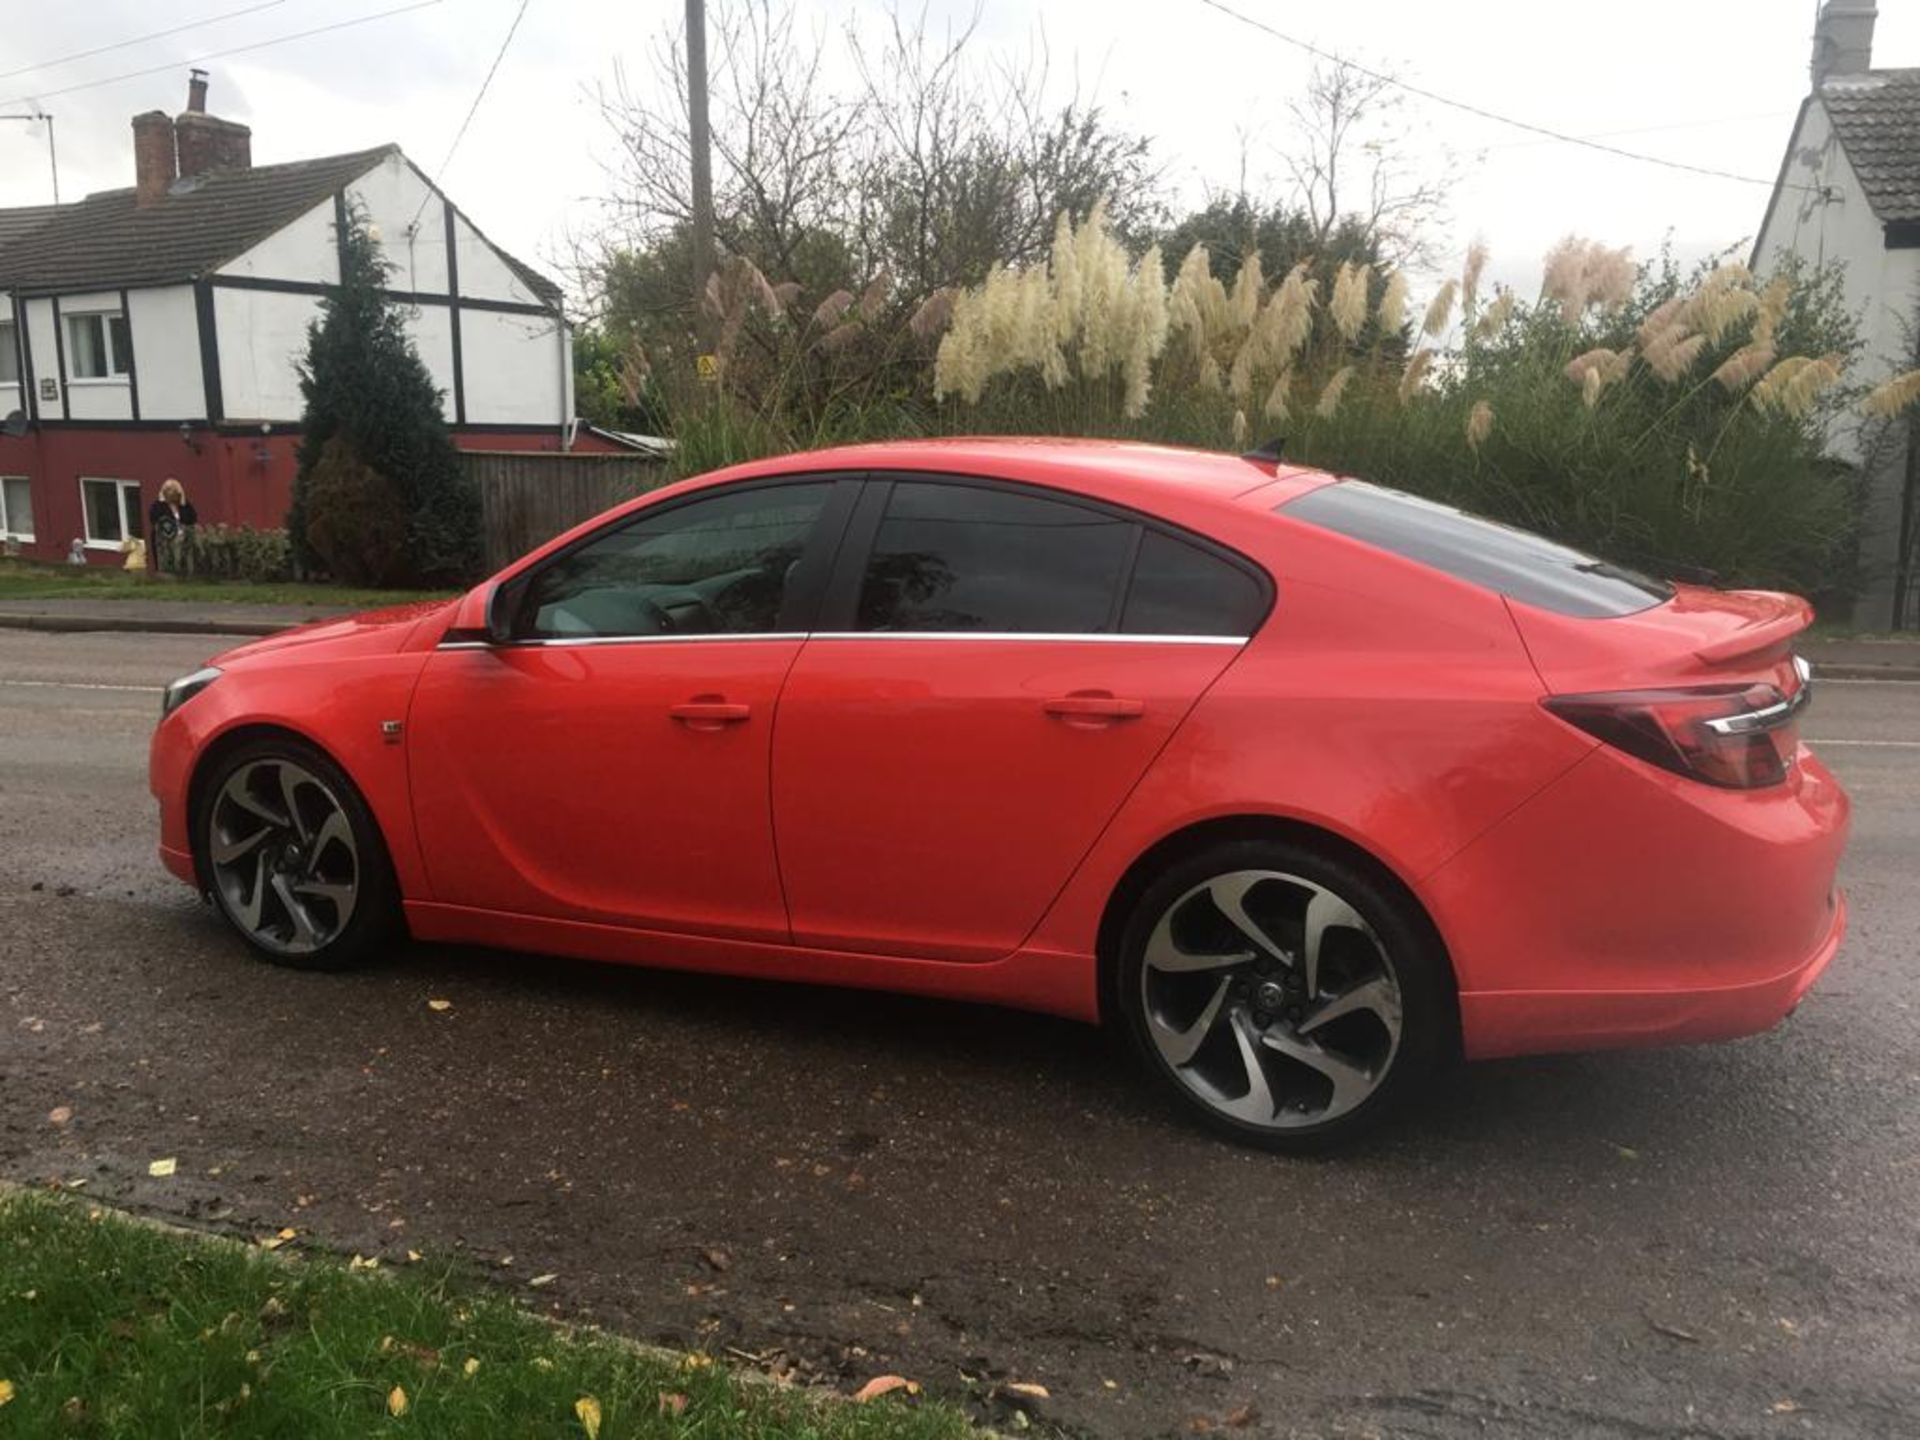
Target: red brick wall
{"points": [[232, 479]]}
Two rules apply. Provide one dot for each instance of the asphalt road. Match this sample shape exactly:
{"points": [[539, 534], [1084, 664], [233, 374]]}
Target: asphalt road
{"points": [[1715, 1242]]}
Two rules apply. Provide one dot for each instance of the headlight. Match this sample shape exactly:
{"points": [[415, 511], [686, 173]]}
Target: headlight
{"points": [[185, 688]]}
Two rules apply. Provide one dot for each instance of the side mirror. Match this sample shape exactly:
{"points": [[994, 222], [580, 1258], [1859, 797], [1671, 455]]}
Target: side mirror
{"points": [[501, 605]]}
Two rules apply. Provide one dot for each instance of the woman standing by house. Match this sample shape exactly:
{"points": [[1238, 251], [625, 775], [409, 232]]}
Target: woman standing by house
{"points": [[170, 522]]}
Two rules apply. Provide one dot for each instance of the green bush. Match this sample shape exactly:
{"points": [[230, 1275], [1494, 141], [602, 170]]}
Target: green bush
{"points": [[227, 552], [356, 525], [366, 388]]}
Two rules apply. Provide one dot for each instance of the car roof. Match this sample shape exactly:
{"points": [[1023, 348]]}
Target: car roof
{"points": [[1125, 471]]}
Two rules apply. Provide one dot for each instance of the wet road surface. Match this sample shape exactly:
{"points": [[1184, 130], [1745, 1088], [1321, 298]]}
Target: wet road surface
{"points": [[1718, 1242]]}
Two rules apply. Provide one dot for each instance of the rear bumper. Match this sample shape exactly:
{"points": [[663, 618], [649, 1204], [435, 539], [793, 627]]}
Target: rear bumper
{"points": [[1626, 906], [1524, 1022]]}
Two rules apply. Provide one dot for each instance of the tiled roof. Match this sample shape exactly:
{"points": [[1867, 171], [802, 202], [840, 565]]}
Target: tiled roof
{"points": [[1877, 117], [17, 223], [106, 241]]}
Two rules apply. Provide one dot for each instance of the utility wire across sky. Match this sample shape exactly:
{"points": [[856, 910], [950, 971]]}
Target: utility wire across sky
{"points": [[1545, 131], [198, 60], [180, 29]]}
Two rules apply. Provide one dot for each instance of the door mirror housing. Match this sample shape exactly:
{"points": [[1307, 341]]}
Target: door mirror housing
{"points": [[502, 605]]}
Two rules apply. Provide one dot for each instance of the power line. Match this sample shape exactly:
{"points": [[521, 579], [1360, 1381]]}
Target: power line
{"points": [[222, 54], [1496, 117], [440, 174], [141, 39]]}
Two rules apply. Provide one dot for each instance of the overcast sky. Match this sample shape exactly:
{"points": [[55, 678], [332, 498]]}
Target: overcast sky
{"points": [[1710, 82]]}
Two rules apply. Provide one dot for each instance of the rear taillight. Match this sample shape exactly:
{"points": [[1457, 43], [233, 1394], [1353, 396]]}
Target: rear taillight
{"points": [[1737, 736]]}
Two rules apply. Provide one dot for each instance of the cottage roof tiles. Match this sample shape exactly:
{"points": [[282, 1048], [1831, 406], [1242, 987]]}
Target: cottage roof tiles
{"points": [[1877, 117], [106, 241]]}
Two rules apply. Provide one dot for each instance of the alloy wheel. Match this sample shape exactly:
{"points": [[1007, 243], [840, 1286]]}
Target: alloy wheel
{"points": [[283, 857], [1271, 999]]}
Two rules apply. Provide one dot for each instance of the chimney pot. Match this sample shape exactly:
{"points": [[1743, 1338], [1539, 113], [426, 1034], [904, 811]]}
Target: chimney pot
{"points": [[153, 158], [1843, 39], [208, 143]]}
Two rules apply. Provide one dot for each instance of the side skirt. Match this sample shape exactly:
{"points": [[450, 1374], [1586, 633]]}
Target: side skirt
{"points": [[1051, 982]]}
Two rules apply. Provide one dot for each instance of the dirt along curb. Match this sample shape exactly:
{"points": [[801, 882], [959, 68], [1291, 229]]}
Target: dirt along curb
{"points": [[142, 624]]}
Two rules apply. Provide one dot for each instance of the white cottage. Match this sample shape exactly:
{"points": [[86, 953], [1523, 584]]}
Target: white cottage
{"points": [[1849, 191]]}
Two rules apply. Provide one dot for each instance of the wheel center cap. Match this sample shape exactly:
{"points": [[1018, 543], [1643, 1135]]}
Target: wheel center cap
{"points": [[1269, 995]]}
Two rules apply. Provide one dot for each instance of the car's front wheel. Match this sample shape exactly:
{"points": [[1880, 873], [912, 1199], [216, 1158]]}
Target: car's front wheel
{"points": [[294, 858], [1281, 994]]}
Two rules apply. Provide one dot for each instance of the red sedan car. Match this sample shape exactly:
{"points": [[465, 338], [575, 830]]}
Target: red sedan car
{"points": [[1304, 782]]}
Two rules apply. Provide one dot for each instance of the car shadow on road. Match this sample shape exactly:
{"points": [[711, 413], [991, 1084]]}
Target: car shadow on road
{"points": [[1611, 1103]]}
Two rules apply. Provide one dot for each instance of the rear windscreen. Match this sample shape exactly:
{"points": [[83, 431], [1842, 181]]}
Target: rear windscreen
{"points": [[1518, 563]]}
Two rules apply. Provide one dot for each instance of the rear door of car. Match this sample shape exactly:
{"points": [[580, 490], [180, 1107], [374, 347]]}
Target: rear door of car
{"points": [[995, 667]]}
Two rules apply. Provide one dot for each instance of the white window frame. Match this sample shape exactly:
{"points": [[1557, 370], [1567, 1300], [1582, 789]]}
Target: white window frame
{"points": [[125, 487], [119, 367], [10, 350], [9, 523]]}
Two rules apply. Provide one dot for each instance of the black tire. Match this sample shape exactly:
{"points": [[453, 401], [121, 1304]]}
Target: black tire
{"points": [[1407, 949], [375, 919]]}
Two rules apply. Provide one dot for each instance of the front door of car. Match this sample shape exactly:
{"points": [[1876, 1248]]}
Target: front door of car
{"points": [[995, 669], [610, 762]]}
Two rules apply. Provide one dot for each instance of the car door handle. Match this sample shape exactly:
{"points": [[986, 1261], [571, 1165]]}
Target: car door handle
{"points": [[1084, 705], [709, 713]]}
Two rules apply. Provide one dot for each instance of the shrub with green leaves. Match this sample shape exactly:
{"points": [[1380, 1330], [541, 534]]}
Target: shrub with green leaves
{"points": [[372, 409]]}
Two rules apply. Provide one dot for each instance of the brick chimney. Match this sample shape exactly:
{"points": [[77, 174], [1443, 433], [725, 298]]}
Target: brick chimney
{"points": [[208, 143], [1843, 39], [153, 158]]}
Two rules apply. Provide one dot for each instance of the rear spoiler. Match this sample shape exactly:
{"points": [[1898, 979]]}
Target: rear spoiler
{"points": [[1790, 615]]}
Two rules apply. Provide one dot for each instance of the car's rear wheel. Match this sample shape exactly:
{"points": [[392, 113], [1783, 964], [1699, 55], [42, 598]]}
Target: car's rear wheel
{"points": [[1286, 996], [293, 857]]}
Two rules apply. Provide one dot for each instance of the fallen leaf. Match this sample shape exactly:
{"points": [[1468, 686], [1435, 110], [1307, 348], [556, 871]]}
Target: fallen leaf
{"points": [[543, 1280], [160, 1169], [697, 1361], [674, 1404], [413, 1257], [1785, 1407], [541, 1362], [717, 1258], [274, 1242], [1027, 1388], [1626, 1152], [884, 1385], [397, 1401], [1674, 1332], [1241, 1418], [60, 1114], [6, 1392], [472, 1367], [439, 1004], [363, 1262], [588, 1410]]}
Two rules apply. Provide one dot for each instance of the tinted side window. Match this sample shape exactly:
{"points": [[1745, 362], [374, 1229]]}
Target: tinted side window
{"points": [[1180, 589], [966, 557], [1511, 561], [718, 566]]}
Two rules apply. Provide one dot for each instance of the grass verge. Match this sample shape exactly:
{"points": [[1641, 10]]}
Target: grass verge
{"points": [[21, 580], [108, 1327]]}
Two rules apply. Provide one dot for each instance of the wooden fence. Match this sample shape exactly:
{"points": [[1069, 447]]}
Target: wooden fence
{"points": [[528, 497]]}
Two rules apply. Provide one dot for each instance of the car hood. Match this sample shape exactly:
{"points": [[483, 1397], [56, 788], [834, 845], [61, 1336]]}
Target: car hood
{"points": [[371, 632]]}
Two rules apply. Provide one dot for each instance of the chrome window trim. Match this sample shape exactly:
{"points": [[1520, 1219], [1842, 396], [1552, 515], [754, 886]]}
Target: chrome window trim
{"points": [[734, 635], [568, 641], [1103, 637]]}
